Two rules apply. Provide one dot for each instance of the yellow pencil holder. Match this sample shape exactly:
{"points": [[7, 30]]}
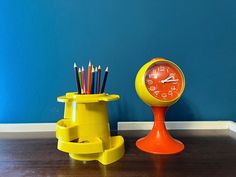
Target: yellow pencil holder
{"points": [[84, 131]]}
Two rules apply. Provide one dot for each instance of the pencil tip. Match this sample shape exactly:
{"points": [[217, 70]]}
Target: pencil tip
{"points": [[79, 70], [75, 65], [89, 63], [99, 67], [82, 68], [106, 69], [96, 69]]}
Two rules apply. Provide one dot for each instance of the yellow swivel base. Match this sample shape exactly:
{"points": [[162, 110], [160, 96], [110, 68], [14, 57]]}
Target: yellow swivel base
{"points": [[107, 156], [84, 131]]}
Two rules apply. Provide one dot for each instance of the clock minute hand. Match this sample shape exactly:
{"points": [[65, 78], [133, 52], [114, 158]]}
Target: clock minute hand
{"points": [[173, 80], [168, 78]]}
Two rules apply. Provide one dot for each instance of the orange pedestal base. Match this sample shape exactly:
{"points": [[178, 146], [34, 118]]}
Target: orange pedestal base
{"points": [[159, 141]]}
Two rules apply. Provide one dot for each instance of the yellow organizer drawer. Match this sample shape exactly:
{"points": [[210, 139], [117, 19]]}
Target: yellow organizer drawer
{"points": [[116, 151], [65, 131], [81, 148]]}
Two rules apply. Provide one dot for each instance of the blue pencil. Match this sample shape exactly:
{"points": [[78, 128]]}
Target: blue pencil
{"points": [[104, 80], [77, 78], [95, 81]]}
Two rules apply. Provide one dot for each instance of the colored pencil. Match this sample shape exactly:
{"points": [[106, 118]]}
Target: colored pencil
{"points": [[89, 77], [77, 78], [99, 78], [104, 80], [83, 79], [92, 80], [95, 80], [80, 81]]}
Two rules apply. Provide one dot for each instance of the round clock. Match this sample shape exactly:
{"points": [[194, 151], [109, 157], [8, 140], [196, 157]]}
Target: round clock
{"points": [[159, 83]]}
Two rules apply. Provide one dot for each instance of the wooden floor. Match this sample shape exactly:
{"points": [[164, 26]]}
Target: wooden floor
{"points": [[209, 153]]}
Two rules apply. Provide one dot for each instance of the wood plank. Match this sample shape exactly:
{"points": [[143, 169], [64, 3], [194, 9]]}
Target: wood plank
{"points": [[207, 153]]}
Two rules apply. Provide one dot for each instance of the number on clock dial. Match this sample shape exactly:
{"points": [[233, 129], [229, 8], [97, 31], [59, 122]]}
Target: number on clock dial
{"points": [[164, 81]]}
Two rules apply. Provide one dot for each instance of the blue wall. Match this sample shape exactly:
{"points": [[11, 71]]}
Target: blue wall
{"points": [[40, 40]]}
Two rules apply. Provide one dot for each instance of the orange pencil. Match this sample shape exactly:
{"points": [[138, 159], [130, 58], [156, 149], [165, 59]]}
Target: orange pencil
{"points": [[89, 77]]}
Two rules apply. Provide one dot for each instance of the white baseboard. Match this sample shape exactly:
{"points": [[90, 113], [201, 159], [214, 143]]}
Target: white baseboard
{"points": [[232, 126], [28, 127], [180, 125]]}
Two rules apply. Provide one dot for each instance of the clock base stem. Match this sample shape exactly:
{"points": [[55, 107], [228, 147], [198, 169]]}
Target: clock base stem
{"points": [[159, 141]]}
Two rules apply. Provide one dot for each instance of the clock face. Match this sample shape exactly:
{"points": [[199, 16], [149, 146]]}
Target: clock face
{"points": [[164, 81]]}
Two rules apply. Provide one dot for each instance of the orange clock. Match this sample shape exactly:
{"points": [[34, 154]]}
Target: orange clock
{"points": [[159, 83]]}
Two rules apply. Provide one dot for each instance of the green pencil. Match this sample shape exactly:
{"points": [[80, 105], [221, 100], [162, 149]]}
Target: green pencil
{"points": [[77, 79], [80, 80]]}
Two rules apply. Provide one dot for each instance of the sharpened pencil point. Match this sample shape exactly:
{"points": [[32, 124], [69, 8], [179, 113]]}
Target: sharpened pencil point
{"points": [[106, 69], [75, 65]]}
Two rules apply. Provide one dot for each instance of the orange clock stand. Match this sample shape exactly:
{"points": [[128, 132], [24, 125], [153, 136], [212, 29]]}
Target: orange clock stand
{"points": [[159, 141], [159, 83]]}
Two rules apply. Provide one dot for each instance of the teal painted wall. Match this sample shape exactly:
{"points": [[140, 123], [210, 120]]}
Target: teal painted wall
{"points": [[40, 40]]}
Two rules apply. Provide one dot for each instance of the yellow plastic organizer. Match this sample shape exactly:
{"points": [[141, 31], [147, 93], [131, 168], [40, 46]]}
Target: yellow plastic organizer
{"points": [[84, 131]]}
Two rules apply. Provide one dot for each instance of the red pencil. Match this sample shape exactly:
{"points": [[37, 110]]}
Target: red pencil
{"points": [[89, 77], [83, 79], [92, 80]]}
